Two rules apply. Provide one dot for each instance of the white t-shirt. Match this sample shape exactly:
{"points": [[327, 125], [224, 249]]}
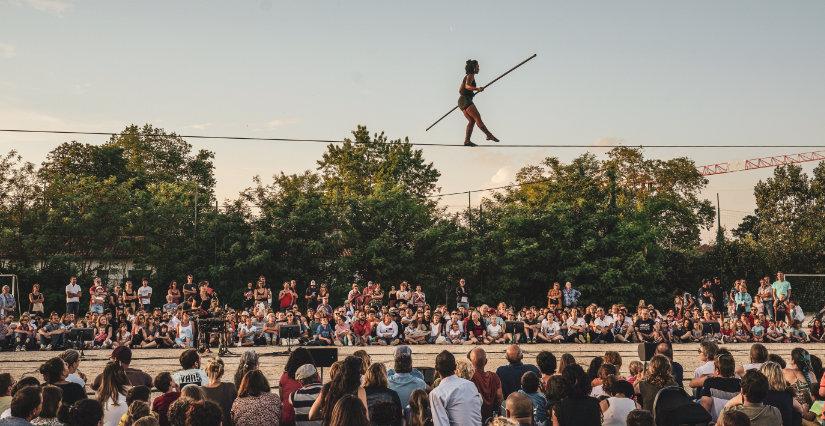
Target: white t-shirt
{"points": [[145, 294], [191, 376], [705, 369], [74, 378], [550, 328], [248, 331], [494, 330], [73, 289], [604, 323], [112, 413], [578, 322]]}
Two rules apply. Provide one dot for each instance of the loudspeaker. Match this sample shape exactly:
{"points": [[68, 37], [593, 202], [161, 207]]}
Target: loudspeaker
{"points": [[323, 356], [646, 351]]}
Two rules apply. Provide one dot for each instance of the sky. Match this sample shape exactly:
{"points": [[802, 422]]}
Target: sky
{"points": [[638, 72]]}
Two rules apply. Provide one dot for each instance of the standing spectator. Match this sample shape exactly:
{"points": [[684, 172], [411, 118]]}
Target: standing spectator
{"points": [[754, 391], [145, 294], [191, 372], [169, 394], [658, 375], [73, 296], [311, 296], [720, 388], [50, 396], [130, 297], [520, 409], [190, 289], [303, 398], [455, 400], [285, 299], [510, 374], [288, 383], [25, 406], [765, 292], [7, 303], [97, 296], [346, 382], [36, 300], [383, 403], [462, 295], [554, 296], [577, 408], [174, 292], [570, 295], [123, 356], [487, 383], [221, 393], [112, 393], [255, 404], [403, 381], [781, 289]]}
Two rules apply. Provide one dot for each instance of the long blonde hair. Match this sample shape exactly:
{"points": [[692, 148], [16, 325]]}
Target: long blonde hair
{"points": [[376, 376], [773, 372]]}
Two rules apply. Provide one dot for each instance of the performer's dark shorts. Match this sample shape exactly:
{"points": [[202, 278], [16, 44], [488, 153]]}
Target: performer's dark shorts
{"points": [[464, 102]]}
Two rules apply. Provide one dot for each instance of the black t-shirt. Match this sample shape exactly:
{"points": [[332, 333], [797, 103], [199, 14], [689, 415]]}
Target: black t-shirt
{"points": [[190, 287], [721, 387], [645, 325], [72, 392], [384, 406], [313, 301]]}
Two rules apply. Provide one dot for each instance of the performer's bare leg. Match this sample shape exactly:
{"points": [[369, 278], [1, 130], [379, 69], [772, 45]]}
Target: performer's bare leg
{"points": [[471, 122], [472, 111]]}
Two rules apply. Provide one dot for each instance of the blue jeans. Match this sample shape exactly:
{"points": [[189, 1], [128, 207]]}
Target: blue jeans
{"points": [[96, 309], [769, 312]]}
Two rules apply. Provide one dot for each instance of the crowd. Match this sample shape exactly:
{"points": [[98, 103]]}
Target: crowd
{"points": [[766, 391], [131, 316]]}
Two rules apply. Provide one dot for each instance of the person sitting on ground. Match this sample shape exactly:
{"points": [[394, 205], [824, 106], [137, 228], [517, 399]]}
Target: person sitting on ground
{"points": [[640, 418], [6, 383], [137, 394], [546, 362], [734, 418], [658, 376], [758, 356], [123, 356], [255, 404], [754, 391], [303, 398], [455, 400], [530, 384], [487, 383], [347, 381], [112, 393], [383, 403], [577, 407], [619, 403], [403, 381], [25, 406], [54, 372], [519, 408], [169, 394], [191, 372], [202, 413], [189, 394], [50, 396], [721, 387], [510, 374], [87, 412], [348, 411], [217, 391], [419, 409]]}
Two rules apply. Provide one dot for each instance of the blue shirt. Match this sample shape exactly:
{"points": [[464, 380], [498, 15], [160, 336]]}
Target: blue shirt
{"points": [[571, 296], [781, 287], [743, 298], [539, 406], [404, 384]]}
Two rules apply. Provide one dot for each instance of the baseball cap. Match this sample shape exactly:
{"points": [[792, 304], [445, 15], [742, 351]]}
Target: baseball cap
{"points": [[122, 354], [402, 352], [305, 371]]}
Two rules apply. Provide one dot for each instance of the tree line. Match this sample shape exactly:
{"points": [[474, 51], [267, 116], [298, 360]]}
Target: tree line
{"points": [[621, 228]]}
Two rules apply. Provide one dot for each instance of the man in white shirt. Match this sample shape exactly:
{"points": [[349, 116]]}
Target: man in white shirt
{"points": [[73, 296], [455, 401], [576, 327], [386, 331], [145, 294], [601, 327]]}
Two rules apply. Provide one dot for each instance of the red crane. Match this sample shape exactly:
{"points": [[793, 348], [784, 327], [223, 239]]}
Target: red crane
{"points": [[760, 163]]}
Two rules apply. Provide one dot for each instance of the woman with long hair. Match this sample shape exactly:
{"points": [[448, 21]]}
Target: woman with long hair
{"points": [[54, 372], [255, 404], [112, 393], [50, 397], [467, 91], [248, 362], [420, 414], [348, 411], [346, 382], [221, 393], [578, 407], [659, 375], [800, 376], [383, 403], [288, 384]]}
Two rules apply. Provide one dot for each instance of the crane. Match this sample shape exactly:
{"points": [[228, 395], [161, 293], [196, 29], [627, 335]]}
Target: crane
{"points": [[760, 163]]}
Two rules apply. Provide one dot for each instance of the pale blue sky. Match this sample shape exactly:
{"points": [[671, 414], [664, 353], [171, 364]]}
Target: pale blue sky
{"points": [[641, 72]]}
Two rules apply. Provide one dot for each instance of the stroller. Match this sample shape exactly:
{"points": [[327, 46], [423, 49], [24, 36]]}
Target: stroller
{"points": [[674, 407]]}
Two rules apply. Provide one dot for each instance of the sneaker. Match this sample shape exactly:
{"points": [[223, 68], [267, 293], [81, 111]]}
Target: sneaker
{"points": [[42, 347], [49, 347], [469, 143]]}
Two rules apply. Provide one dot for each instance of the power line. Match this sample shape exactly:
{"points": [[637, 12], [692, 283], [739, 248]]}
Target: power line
{"points": [[433, 144]]}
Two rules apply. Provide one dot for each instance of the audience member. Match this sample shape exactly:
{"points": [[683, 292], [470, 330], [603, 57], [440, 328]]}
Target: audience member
{"points": [[6, 383], [302, 399], [519, 408], [530, 384], [718, 389], [403, 381], [619, 403], [123, 355], [255, 404], [248, 362], [640, 418], [678, 371], [755, 388], [734, 418], [511, 373], [25, 406], [169, 394], [455, 400], [190, 372], [383, 404], [546, 362], [419, 412], [221, 393], [487, 383], [205, 413], [349, 411], [657, 376], [288, 384], [112, 393], [50, 396], [577, 407], [347, 381], [54, 373], [86, 412]]}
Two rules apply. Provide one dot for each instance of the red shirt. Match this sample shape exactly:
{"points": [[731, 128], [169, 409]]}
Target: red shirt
{"points": [[361, 328], [161, 405], [489, 385], [287, 386]]}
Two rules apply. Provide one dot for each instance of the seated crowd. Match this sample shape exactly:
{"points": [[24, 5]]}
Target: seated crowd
{"points": [[128, 317], [768, 390]]}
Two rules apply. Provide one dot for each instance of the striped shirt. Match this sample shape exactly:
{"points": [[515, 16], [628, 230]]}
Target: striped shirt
{"points": [[302, 400]]}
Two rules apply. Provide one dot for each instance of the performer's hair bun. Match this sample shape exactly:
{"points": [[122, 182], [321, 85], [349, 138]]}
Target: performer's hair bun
{"points": [[471, 66]]}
